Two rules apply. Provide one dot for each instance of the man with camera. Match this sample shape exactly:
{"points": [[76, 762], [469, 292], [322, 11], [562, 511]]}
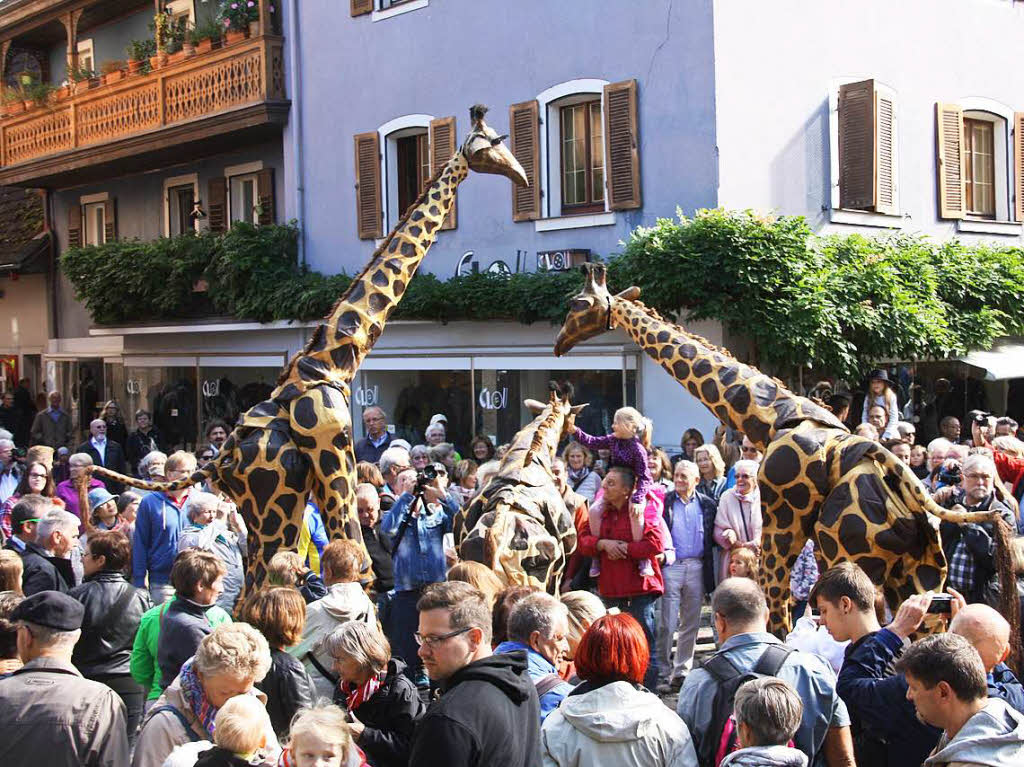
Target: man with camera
{"points": [[416, 526], [970, 548]]}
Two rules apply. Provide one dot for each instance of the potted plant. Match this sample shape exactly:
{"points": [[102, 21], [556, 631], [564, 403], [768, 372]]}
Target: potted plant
{"points": [[112, 70], [12, 102], [139, 53], [188, 46], [206, 35], [237, 17]]}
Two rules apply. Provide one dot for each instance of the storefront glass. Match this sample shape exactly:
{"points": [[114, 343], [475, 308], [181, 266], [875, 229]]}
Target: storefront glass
{"points": [[411, 397], [226, 392]]}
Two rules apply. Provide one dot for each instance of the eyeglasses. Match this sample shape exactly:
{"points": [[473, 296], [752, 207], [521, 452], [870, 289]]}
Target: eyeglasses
{"points": [[435, 641], [36, 475], [979, 477], [750, 449], [743, 476]]}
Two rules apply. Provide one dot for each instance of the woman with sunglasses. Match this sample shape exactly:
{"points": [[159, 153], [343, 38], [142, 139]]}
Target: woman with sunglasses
{"points": [[738, 521], [36, 479]]}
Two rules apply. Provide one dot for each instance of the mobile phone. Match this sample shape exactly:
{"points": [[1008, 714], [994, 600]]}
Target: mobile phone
{"points": [[941, 603]]}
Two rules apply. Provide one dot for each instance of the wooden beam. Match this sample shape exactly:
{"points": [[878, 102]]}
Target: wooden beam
{"points": [[266, 25], [4, 47]]}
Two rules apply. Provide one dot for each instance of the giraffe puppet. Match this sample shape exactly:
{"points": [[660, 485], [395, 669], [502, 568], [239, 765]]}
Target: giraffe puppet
{"points": [[851, 495], [299, 441]]}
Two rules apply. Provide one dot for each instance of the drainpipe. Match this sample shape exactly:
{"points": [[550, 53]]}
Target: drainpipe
{"points": [[295, 90], [48, 207]]}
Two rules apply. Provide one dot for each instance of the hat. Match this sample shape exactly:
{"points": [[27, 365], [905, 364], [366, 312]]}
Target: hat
{"points": [[400, 443], [436, 417], [50, 609], [63, 451], [99, 496], [879, 375]]}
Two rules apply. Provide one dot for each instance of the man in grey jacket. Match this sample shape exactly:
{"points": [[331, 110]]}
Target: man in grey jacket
{"points": [[946, 682], [50, 713], [52, 426]]}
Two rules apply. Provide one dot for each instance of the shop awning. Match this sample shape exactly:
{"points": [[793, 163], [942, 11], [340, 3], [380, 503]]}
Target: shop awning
{"points": [[31, 258], [1002, 362]]}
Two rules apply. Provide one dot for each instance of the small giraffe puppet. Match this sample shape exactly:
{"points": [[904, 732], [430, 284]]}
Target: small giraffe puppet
{"points": [[299, 441], [853, 497]]}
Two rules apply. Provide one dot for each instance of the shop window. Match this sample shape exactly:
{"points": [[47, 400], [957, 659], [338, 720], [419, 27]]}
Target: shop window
{"points": [[411, 397]]}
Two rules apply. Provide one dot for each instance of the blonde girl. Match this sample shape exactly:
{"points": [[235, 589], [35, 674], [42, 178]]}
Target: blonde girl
{"points": [[743, 564]]}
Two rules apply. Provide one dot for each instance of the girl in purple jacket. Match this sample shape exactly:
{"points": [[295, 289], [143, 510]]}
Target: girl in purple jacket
{"points": [[629, 443]]}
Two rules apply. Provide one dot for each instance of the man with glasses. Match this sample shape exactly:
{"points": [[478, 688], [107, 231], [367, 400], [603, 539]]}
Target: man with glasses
{"points": [[25, 517], [418, 559], [377, 439], [393, 462], [487, 712], [970, 548]]}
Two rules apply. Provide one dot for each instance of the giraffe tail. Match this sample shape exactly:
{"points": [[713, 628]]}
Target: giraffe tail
{"points": [[207, 472]]}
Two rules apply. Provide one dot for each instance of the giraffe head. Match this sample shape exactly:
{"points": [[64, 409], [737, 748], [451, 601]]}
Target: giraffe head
{"points": [[589, 310], [485, 150], [559, 419]]}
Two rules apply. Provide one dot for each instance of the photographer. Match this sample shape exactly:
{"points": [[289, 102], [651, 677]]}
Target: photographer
{"points": [[970, 548], [1010, 467], [416, 526]]}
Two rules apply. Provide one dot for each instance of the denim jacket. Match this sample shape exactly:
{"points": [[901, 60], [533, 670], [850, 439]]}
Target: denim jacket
{"points": [[419, 559]]}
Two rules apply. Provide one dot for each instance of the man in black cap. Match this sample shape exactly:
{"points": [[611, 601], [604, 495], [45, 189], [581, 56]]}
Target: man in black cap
{"points": [[50, 713]]}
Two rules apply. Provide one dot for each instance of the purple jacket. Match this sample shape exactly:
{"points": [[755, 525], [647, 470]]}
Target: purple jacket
{"points": [[625, 452]]}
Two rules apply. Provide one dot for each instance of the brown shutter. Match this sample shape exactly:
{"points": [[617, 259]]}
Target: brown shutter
{"points": [[949, 135], [109, 221], [524, 142], [75, 226], [442, 147], [423, 158], [622, 145], [857, 145], [885, 154], [361, 7], [265, 196], [369, 216], [217, 204], [1018, 165]]}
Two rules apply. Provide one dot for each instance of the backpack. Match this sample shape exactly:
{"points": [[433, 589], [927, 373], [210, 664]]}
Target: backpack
{"points": [[720, 739]]}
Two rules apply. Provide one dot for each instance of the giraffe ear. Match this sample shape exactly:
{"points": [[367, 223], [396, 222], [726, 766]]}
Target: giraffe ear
{"points": [[534, 406], [629, 294], [575, 409]]}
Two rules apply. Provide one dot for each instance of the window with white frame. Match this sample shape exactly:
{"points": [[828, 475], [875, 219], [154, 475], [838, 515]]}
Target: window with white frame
{"points": [[405, 163], [180, 196], [86, 60], [182, 9], [242, 198], [95, 221]]}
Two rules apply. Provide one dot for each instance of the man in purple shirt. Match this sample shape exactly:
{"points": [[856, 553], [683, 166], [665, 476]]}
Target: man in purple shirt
{"points": [[690, 517]]}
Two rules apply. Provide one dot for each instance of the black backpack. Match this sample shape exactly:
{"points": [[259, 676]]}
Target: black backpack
{"points": [[720, 739]]}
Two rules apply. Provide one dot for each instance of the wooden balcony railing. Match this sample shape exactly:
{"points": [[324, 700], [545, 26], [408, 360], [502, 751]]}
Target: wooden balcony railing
{"points": [[245, 73]]}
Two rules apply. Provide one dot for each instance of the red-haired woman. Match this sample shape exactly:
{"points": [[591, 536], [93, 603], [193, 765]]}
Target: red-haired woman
{"points": [[611, 718]]}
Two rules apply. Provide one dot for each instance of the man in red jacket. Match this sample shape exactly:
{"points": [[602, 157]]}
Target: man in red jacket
{"points": [[620, 583]]}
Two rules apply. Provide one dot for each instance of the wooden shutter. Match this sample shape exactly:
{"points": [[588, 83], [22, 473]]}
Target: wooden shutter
{"points": [[361, 7], [1018, 165], [265, 196], [524, 143], [369, 216], [423, 158], [75, 226], [109, 221], [949, 135], [622, 146], [217, 204], [857, 145], [885, 154], [442, 147]]}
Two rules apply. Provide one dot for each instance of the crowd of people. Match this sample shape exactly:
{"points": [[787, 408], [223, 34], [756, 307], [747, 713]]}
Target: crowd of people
{"points": [[125, 636]]}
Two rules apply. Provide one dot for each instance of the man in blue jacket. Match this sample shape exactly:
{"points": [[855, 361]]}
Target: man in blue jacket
{"points": [[539, 624], [160, 519]]}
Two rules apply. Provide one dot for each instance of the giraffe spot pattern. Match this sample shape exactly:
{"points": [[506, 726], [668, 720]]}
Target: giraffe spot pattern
{"points": [[798, 497], [853, 533], [304, 413], [872, 498], [702, 368], [738, 397], [681, 370], [709, 390], [380, 279]]}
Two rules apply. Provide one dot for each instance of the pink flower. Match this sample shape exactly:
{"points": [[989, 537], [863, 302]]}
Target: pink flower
{"points": [[250, 4], [271, 9], [234, 6]]}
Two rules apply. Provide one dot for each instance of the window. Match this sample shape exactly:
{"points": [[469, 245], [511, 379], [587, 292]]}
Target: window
{"points": [[85, 56], [412, 166], [582, 154], [865, 142], [179, 202], [182, 9], [242, 198], [94, 214], [979, 168], [385, 9]]}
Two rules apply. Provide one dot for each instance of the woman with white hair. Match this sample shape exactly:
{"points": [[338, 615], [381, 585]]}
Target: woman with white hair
{"points": [[68, 492], [738, 521], [217, 527], [228, 662], [381, 699]]}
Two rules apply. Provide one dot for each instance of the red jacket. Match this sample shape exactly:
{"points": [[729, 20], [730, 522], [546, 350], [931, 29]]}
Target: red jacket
{"points": [[1010, 469], [620, 577]]}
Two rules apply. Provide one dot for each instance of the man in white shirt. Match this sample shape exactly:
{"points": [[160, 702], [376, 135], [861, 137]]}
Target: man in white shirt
{"points": [[104, 453], [11, 470]]}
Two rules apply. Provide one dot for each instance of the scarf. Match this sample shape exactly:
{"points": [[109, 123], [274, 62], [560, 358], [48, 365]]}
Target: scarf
{"points": [[195, 698], [578, 475], [358, 695]]}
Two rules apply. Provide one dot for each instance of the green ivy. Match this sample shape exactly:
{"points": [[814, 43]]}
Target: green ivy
{"points": [[836, 303]]}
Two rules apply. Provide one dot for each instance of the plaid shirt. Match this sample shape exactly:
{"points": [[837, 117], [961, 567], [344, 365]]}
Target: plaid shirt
{"points": [[961, 568]]}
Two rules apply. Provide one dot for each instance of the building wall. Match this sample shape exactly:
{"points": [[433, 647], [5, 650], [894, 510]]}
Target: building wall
{"points": [[140, 212], [774, 63], [24, 324], [440, 59], [109, 41]]}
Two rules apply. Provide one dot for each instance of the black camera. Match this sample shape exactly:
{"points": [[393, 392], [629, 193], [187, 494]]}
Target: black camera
{"points": [[951, 475], [981, 418], [425, 476]]}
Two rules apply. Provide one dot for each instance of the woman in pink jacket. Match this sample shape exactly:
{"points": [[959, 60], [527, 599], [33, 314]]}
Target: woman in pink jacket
{"points": [[738, 522]]}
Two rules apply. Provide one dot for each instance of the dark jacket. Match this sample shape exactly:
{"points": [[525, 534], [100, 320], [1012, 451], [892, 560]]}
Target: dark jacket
{"points": [[114, 461], [138, 445], [366, 451], [113, 611], [380, 558], [980, 541], [45, 573], [390, 716], [1002, 683], [886, 729], [487, 715], [708, 508], [220, 757], [182, 629], [288, 688]]}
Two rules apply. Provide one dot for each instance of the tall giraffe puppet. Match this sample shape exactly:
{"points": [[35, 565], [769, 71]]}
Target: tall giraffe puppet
{"points": [[852, 496], [518, 525], [299, 441]]}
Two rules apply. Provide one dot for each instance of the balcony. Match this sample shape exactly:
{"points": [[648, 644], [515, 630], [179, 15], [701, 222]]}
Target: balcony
{"points": [[203, 105]]}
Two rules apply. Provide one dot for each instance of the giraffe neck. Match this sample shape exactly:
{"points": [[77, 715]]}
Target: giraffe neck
{"points": [[348, 333], [738, 395]]}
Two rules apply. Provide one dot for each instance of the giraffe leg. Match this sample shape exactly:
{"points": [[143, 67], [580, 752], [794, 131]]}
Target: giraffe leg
{"points": [[781, 544]]}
